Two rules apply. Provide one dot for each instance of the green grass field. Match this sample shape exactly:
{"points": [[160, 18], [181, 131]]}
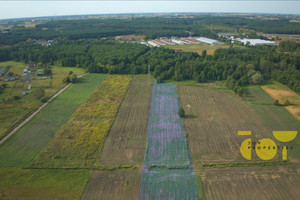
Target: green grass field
{"points": [[22, 147], [12, 112], [17, 183]]}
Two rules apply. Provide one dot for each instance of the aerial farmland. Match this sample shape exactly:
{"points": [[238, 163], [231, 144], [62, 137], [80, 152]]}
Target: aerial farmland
{"points": [[160, 106]]}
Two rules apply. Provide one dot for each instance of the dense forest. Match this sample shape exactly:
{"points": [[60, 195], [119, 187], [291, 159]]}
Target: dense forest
{"points": [[151, 27], [239, 67]]}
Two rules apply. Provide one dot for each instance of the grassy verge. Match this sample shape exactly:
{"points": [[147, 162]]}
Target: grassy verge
{"points": [[243, 164], [200, 187]]}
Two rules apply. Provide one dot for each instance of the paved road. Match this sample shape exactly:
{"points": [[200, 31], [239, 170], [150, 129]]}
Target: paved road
{"points": [[36, 112]]}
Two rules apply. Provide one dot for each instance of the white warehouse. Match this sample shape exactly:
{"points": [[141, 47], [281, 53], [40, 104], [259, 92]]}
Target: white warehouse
{"points": [[153, 44], [207, 40], [255, 42]]}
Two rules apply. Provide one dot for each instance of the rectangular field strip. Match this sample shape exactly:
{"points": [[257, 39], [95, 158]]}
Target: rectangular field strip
{"points": [[123, 184], [34, 184], [166, 143], [125, 142], [271, 182], [168, 184], [22, 147], [167, 173], [124, 145]]}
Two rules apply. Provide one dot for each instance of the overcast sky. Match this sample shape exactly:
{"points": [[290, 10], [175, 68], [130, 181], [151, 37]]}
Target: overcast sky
{"points": [[19, 9]]}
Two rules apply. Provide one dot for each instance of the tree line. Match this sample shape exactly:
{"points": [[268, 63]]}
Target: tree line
{"points": [[150, 26], [237, 66]]}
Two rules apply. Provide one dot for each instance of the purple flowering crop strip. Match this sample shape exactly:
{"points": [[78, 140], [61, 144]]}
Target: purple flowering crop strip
{"points": [[166, 145], [167, 172]]}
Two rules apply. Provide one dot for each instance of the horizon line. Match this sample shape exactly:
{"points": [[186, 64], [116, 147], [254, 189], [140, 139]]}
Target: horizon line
{"points": [[145, 13]]}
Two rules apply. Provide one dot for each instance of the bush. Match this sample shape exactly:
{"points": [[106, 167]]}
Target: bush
{"points": [[287, 103], [66, 79], [47, 71], [181, 112], [39, 93], [44, 99], [73, 78], [240, 92], [257, 79], [276, 103], [16, 97]]}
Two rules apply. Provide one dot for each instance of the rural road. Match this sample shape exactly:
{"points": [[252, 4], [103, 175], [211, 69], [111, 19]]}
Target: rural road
{"points": [[36, 112]]}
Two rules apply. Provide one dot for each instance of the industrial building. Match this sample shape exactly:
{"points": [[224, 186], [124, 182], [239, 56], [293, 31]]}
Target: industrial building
{"points": [[208, 40], [168, 42], [177, 41], [192, 41], [184, 41], [255, 42], [153, 44], [159, 42]]}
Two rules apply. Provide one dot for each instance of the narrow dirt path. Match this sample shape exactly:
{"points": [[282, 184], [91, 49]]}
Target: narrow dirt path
{"points": [[36, 112]]}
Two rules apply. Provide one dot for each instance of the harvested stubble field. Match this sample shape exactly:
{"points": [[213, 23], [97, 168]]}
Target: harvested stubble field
{"points": [[126, 140], [213, 119], [22, 147], [123, 184], [251, 183], [79, 141]]}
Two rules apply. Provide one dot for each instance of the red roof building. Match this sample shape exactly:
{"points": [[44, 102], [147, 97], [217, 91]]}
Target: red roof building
{"points": [[159, 42], [192, 41]]}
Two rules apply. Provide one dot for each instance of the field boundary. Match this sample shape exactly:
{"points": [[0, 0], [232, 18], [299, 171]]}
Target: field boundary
{"points": [[243, 164], [93, 168]]}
